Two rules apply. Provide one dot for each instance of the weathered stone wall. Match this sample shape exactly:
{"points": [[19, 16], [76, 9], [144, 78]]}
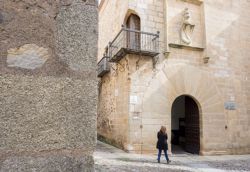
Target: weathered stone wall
{"points": [[228, 42], [224, 78], [48, 85], [221, 33], [114, 87], [113, 119], [110, 26]]}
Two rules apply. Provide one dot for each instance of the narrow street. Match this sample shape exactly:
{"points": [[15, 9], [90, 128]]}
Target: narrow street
{"points": [[110, 159]]}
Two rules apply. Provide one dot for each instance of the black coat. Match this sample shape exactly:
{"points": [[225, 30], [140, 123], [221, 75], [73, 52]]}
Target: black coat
{"points": [[162, 141]]}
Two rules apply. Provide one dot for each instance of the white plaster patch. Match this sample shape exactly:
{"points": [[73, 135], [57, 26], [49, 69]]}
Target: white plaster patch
{"points": [[232, 98], [116, 92], [28, 56], [135, 117], [130, 147], [136, 134], [221, 74], [133, 99]]}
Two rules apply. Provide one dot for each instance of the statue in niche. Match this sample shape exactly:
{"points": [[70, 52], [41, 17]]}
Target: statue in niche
{"points": [[186, 28]]}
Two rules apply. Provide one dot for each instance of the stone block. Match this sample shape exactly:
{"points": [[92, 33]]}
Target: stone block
{"points": [[76, 36], [29, 56], [48, 85]]}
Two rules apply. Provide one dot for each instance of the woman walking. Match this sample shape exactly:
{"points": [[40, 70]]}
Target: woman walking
{"points": [[162, 144]]}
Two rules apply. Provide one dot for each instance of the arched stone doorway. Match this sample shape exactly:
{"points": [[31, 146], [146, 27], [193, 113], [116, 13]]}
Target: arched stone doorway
{"points": [[185, 125], [173, 81]]}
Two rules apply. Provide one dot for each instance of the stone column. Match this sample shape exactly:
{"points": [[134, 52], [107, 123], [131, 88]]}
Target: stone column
{"points": [[48, 85]]}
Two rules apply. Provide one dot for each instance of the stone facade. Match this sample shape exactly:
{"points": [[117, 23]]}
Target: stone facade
{"points": [[213, 69], [48, 85]]}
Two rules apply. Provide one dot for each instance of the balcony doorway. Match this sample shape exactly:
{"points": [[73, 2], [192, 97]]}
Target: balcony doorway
{"points": [[133, 37], [185, 125]]}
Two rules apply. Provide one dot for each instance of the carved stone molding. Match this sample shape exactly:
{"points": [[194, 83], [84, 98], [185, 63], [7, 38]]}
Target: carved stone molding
{"points": [[206, 59], [187, 28], [188, 47], [196, 2]]}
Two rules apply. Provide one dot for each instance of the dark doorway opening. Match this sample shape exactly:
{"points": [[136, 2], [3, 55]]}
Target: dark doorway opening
{"points": [[133, 36], [185, 125]]}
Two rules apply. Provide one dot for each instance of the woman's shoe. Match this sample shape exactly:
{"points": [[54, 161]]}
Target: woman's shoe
{"points": [[158, 161], [168, 161]]}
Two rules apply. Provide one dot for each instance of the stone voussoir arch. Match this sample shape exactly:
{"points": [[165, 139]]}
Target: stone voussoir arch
{"points": [[173, 81]]}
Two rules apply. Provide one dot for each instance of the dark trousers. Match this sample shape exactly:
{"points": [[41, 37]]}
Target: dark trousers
{"points": [[165, 152]]}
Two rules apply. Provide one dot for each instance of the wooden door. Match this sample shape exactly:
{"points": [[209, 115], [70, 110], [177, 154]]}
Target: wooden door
{"points": [[192, 128], [133, 38]]}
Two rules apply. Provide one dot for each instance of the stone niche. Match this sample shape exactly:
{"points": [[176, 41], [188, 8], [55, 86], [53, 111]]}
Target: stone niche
{"points": [[48, 85], [185, 24]]}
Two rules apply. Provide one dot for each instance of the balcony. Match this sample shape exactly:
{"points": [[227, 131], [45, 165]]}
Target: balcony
{"points": [[103, 66], [130, 41]]}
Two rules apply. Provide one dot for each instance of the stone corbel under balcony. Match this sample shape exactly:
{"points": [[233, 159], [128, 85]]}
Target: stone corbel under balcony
{"points": [[206, 59], [166, 54]]}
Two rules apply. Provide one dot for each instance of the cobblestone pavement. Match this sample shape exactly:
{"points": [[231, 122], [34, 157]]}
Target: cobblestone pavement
{"points": [[110, 159]]}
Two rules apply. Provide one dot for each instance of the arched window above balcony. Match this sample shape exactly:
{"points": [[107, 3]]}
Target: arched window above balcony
{"points": [[133, 22], [133, 38]]}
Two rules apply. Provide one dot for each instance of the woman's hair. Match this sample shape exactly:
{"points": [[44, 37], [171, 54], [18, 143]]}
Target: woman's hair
{"points": [[163, 129]]}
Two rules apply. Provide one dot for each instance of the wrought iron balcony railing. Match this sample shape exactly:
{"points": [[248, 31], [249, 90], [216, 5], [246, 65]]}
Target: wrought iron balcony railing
{"points": [[103, 66], [130, 41]]}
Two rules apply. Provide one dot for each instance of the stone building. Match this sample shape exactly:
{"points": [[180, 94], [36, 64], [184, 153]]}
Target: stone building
{"points": [[48, 85], [179, 63]]}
